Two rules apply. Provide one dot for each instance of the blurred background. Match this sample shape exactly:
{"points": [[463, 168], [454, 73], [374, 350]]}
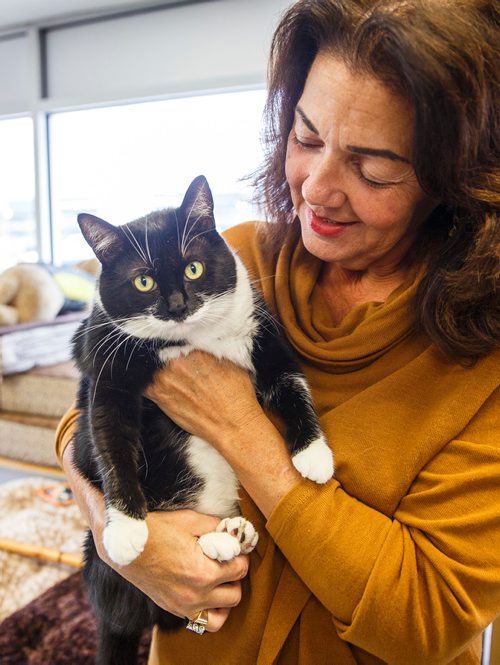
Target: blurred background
{"points": [[112, 107]]}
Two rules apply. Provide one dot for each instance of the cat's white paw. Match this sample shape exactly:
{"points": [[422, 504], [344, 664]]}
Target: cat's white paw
{"points": [[315, 462], [220, 546], [242, 530], [124, 537]]}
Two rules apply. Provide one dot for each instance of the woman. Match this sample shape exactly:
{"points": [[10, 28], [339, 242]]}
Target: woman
{"points": [[383, 267]]}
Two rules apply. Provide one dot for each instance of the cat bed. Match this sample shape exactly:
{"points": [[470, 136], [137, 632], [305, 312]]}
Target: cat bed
{"points": [[39, 530], [37, 344], [58, 628]]}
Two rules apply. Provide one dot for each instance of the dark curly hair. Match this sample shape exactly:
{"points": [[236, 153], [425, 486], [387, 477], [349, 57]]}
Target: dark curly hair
{"points": [[441, 55]]}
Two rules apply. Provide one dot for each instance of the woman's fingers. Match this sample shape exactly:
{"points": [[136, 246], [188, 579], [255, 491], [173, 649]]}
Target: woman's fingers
{"points": [[216, 619], [231, 571], [225, 597]]}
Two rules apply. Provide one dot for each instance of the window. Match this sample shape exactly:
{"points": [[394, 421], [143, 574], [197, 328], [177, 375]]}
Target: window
{"points": [[18, 237], [122, 162]]}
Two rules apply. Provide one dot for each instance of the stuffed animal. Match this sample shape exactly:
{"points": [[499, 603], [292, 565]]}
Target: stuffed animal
{"points": [[35, 292]]}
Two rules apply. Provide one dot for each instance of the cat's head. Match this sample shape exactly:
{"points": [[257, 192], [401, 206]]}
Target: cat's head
{"points": [[165, 272]]}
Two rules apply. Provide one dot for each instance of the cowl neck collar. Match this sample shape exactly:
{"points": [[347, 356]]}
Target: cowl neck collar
{"points": [[363, 336]]}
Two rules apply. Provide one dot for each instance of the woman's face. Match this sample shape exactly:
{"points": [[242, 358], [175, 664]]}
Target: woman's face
{"points": [[349, 171]]}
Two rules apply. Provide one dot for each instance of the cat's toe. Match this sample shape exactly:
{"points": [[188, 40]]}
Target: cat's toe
{"points": [[220, 546], [124, 537], [242, 530], [250, 542], [315, 462]]}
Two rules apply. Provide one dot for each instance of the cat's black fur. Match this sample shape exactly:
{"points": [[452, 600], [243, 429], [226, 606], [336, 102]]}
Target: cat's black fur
{"points": [[125, 444]]}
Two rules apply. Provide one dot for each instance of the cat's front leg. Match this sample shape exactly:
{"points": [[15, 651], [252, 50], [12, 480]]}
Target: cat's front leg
{"points": [[282, 389], [233, 536], [311, 454], [116, 431]]}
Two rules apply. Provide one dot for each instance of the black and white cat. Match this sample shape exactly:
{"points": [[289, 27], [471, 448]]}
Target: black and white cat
{"points": [[170, 284]]}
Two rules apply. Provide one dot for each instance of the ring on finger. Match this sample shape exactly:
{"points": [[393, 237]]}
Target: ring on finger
{"points": [[198, 623]]}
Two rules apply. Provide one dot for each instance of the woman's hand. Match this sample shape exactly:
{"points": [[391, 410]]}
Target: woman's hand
{"points": [[215, 400], [210, 398], [172, 570]]}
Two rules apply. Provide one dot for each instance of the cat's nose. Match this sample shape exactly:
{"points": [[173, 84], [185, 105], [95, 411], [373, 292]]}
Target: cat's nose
{"points": [[176, 303]]}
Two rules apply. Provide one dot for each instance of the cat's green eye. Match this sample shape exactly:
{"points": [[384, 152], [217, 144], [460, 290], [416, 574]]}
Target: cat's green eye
{"points": [[194, 270], [144, 283]]}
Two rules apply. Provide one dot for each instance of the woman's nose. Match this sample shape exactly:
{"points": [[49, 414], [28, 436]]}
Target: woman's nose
{"points": [[323, 186]]}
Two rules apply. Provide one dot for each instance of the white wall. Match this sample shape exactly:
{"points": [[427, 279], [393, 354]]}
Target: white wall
{"points": [[17, 72]]}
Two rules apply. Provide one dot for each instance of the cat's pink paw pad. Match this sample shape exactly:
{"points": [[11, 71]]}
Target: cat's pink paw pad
{"points": [[242, 530]]}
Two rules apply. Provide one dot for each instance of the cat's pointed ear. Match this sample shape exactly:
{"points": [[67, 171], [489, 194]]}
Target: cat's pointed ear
{"points": [[105, 239], [198, 204]]}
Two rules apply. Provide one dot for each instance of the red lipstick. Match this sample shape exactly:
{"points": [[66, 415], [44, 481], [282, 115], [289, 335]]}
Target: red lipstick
{"points": [[325, 227]]}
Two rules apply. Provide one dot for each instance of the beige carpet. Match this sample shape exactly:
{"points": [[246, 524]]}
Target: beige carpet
{"points": [[28, 518]]}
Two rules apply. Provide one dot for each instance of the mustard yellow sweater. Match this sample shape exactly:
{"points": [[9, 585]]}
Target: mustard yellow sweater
{"points": [[397, 560]]}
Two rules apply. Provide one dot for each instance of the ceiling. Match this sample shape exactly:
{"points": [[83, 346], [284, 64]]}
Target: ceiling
{"points": [[19, 13]]}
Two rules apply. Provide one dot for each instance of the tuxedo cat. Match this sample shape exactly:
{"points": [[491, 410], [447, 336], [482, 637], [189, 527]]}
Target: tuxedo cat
{"points": [[170, 284]]}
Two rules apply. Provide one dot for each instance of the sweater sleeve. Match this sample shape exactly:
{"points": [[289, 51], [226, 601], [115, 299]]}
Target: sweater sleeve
{"points": [[65, 431], [417, 586]]}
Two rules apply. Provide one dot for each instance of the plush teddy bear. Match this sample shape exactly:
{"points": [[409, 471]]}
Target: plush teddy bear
{"points": [[34, 292]]}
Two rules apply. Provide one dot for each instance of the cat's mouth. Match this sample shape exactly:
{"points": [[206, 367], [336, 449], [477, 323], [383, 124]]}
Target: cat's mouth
{"points": [[175, 318], [154, 327]]}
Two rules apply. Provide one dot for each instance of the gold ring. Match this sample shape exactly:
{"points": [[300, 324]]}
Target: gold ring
{"points": [[199, 623]]}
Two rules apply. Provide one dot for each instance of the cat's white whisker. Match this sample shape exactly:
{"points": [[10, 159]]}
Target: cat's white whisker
{"points": [[138, 342], [135, 243], [259, 280], [106, 360], [150, 260], [113, 353], [178, 232], [118, 347], [194, 238], [189, 231], [145, 465], [185, 230], [266, 314], [199, 207], [107, 339], [88, 328]]}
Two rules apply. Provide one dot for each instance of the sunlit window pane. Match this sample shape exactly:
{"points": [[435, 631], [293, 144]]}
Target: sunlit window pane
{"points": [[122, 162], [17, 192]]}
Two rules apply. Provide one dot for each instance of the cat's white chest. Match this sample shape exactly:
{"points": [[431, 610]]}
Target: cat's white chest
{"points": [[219, 495], [236, 349]]}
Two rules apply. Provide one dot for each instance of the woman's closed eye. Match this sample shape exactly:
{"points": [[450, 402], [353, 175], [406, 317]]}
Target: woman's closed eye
{"points": [[306, 143], [381, 173], [377, 184]]}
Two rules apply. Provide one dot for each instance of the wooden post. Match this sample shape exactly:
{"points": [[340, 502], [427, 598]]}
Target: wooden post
{"points": [[42, 553]]}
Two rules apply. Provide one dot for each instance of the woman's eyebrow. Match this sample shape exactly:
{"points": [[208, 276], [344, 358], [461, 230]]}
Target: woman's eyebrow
{"points": [[306, 120], [377, 152], [358, 150]]}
